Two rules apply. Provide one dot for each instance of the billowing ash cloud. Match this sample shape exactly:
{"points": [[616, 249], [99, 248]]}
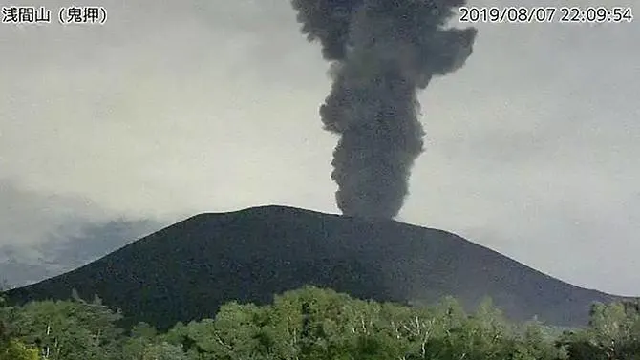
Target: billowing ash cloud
{"points": [[382, 51]]}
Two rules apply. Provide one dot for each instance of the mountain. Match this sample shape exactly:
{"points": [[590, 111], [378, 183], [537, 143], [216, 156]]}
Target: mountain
{"points": [[187, 270]]}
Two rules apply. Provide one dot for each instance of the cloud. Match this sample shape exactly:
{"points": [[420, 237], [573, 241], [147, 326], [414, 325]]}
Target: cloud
{"points": [[27, 215], [43, 235], [30, 217]]}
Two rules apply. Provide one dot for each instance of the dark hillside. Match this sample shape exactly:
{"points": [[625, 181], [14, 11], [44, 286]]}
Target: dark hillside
{"points": [[187, 270]]}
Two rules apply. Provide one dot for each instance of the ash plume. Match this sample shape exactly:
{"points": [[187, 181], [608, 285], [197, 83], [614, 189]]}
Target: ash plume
{"points": [[382, 53]]}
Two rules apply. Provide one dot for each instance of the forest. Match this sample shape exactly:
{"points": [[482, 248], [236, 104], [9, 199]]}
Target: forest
{"points": [[314, 323]]}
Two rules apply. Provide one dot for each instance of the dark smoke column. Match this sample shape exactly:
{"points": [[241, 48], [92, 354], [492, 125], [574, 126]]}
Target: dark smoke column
{"points": [[382, 51]]}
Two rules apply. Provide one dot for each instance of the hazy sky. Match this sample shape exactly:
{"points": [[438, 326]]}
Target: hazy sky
{"points": [[178, 107]]}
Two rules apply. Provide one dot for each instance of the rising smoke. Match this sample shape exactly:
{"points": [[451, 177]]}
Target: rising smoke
{"points": [[382, 52]]}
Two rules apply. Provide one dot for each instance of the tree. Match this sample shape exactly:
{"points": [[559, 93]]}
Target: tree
{"points": [[613, 334], [10, 348], [310, 324], [163, 351], [67, 330], [16, 350]]}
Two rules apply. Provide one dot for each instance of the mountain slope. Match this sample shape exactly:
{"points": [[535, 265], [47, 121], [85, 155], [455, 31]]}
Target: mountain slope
{"points": [[187, 270]]}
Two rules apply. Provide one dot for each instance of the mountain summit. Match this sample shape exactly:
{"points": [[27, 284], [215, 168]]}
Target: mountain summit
{"points": [[187, 270]]}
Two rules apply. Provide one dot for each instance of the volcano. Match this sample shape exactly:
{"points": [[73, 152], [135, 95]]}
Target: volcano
{"points": [[186, 271]]}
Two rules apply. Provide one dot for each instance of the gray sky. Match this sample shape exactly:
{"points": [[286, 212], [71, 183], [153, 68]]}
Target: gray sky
{"points": [[175, 108]]}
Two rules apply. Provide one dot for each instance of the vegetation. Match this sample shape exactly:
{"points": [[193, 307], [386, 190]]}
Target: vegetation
{"points": [[313, 323]]}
